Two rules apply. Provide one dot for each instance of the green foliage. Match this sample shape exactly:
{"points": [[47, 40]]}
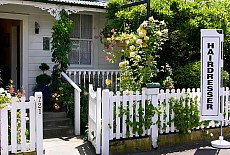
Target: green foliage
{"points": [[139, 53], [43, 79], [3, 100], [187, 76], [84, 107], [144, 121], [43, 85], [61, 45], [184, 19], [187, 115], [44, 67]]}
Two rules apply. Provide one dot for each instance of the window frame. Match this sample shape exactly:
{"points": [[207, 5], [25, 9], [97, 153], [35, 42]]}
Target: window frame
{"points": [[91, 40]]}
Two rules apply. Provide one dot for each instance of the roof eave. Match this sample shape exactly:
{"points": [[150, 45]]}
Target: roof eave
{"points": [[69, 4]]}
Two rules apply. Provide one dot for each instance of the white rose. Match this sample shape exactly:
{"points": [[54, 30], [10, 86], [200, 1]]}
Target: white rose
{"points": [[2, 90], [139, 41]]}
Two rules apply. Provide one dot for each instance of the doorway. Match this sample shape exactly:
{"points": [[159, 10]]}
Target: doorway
{"points": [[10, 52]]}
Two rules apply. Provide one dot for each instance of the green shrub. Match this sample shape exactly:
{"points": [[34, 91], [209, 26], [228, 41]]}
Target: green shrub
{"points": [[187, 76], [43, 79]]}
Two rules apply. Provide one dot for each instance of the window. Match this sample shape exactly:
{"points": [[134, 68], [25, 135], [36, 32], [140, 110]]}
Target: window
{"points": [[81, 37]]}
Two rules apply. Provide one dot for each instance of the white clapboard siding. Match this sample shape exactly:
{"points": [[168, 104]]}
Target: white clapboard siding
{"points": [[17, 111]]}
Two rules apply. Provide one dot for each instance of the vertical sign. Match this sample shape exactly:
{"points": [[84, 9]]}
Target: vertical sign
{"points": [[211, 62]]}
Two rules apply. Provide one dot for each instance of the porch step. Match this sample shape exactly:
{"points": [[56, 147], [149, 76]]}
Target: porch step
{"points": [[56, 124], [55, 132], [51, 115]]}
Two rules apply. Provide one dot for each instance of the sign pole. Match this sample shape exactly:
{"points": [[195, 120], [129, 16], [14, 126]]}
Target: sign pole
{"points": [[212, 99]]}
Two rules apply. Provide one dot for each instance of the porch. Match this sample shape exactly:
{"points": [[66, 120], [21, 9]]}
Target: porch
{"points": [[97, 77]]}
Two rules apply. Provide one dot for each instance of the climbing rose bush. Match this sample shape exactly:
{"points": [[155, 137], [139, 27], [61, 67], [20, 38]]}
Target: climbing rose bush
{"points": [[137, 52]]}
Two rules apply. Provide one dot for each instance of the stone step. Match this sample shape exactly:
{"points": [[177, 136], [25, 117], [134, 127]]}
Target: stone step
{"points": [[55, 132], [52, 115], [56, 122]]}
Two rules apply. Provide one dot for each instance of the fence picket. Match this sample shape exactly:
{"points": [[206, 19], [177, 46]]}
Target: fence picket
{"points": [[4, 131], [162, 99], [105, 122], [167, 110], [143, 107], [13, 125], [172, 113], [131, 112], [23, 124], [118, 120], [227, 106], [137, 110], [111, 112], [98, 119], [124, 117]]}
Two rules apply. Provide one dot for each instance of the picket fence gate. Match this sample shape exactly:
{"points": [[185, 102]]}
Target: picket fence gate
{"points": [[22, 125], [105, 123]]}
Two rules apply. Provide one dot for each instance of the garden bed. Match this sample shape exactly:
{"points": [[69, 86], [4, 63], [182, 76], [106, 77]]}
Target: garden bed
{"points": [[131, 145], [198, 136]]}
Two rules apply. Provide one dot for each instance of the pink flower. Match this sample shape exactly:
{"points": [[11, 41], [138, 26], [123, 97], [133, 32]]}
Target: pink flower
{"points": [[110, 45], [96, 37], [106, 58], [109, 35], [112, 30], [11, 90]]}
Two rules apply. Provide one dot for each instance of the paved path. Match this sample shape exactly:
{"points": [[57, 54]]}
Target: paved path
{"points": [[76, 146], [67, 146], [206, 150]]}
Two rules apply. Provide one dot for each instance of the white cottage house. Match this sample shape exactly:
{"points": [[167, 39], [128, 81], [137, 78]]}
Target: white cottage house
{"points": [[25, 33]]}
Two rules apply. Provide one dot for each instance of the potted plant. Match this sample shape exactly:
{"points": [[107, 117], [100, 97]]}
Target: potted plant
{"points": [[43, 85]]}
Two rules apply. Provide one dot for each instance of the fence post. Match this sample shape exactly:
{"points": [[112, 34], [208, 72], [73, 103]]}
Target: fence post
{"points": [[77, 112], [105, 122], [152, 93], [39, 123], [98, 120]]}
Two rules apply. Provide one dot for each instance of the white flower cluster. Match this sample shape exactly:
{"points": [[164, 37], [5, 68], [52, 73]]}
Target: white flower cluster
{"points": [[5, 93]]}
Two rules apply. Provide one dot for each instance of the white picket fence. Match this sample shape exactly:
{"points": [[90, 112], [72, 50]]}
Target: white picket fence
{"points": [[25, 120], [105, 123]]}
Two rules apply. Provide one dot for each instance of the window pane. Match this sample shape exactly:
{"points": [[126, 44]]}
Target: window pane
{"points": [[86, 26], [85, 54], [76, 25], [74, 54]]}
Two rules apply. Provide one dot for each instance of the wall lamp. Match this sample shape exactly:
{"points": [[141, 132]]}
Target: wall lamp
{"points": [[37, 26]]}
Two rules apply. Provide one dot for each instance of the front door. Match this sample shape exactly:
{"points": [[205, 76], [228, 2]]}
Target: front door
{"points": [[10, 51]]}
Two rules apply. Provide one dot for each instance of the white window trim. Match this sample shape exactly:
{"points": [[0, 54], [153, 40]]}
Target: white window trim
{"points": [[71, 66]]}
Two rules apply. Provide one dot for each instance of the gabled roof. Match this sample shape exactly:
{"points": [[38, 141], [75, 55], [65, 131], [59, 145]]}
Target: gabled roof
{"points": [[89, 3]]}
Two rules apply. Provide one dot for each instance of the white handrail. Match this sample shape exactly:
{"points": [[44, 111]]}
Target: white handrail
{"points": [[70, 81], [77, 91]]}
